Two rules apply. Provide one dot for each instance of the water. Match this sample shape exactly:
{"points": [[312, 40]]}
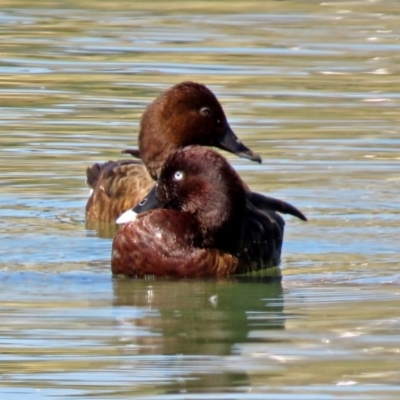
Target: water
{"points": [[311, 86]]}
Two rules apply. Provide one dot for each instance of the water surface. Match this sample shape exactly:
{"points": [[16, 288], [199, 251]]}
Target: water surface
{"points": [[311, 86]]}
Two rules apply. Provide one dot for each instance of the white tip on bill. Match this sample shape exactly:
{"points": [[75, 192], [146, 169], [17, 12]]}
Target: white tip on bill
{"points": [[127, 216]]}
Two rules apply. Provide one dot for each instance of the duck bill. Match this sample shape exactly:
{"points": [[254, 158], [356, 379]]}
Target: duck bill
{"points": [[149, 202], [126, 217], [230, 142]]}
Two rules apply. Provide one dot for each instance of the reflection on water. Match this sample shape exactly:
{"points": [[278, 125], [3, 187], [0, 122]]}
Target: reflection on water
{"points": [[314, 88], [221, 306], [86, 335], [198, 326]]}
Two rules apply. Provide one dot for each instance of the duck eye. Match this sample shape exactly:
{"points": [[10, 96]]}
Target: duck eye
{"points": [[178, 175], [205, 112], [143, 202]]}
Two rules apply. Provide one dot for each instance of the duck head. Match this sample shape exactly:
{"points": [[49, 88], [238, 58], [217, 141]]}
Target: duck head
{"points": [[186, 114]]}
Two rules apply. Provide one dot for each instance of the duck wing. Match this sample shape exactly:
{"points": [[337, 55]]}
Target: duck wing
{"points": [[115, 186], [262, 238], [266, 203]]}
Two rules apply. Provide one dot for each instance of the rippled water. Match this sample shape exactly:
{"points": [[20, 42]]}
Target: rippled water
{"points": [[314, 87]]}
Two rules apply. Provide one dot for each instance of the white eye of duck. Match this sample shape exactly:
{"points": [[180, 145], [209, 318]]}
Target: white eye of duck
{"points": [[178, 175]]}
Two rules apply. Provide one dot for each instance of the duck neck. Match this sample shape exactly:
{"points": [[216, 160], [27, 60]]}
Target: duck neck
{"points": [[154, 167], [221, 226], [154, 150]]}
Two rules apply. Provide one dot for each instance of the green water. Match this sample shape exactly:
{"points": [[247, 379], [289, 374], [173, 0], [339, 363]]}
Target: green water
{"points": [[314, 87]]}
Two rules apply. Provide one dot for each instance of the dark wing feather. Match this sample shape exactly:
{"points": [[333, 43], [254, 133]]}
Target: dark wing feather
{"points": [[271, 204], [262, 240], [133, 152]]}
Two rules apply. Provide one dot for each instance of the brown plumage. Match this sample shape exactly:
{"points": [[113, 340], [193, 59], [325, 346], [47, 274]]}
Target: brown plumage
{"points": [[205, 227], [160, 244], [117, 186], [186, 114]]}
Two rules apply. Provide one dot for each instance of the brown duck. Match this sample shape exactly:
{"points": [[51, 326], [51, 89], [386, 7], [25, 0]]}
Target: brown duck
{"points": [[197, 222], [186, 114]]}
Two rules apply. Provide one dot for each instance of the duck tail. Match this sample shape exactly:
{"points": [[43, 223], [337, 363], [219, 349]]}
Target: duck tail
{"points": [[94, 172]]}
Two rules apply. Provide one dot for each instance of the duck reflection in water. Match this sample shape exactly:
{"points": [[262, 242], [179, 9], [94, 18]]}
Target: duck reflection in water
{"points": [[210, 333], [198, 221]]}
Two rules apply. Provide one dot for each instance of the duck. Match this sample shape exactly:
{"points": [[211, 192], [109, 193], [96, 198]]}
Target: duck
{"points": [[196, 222], [186, 114]]}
